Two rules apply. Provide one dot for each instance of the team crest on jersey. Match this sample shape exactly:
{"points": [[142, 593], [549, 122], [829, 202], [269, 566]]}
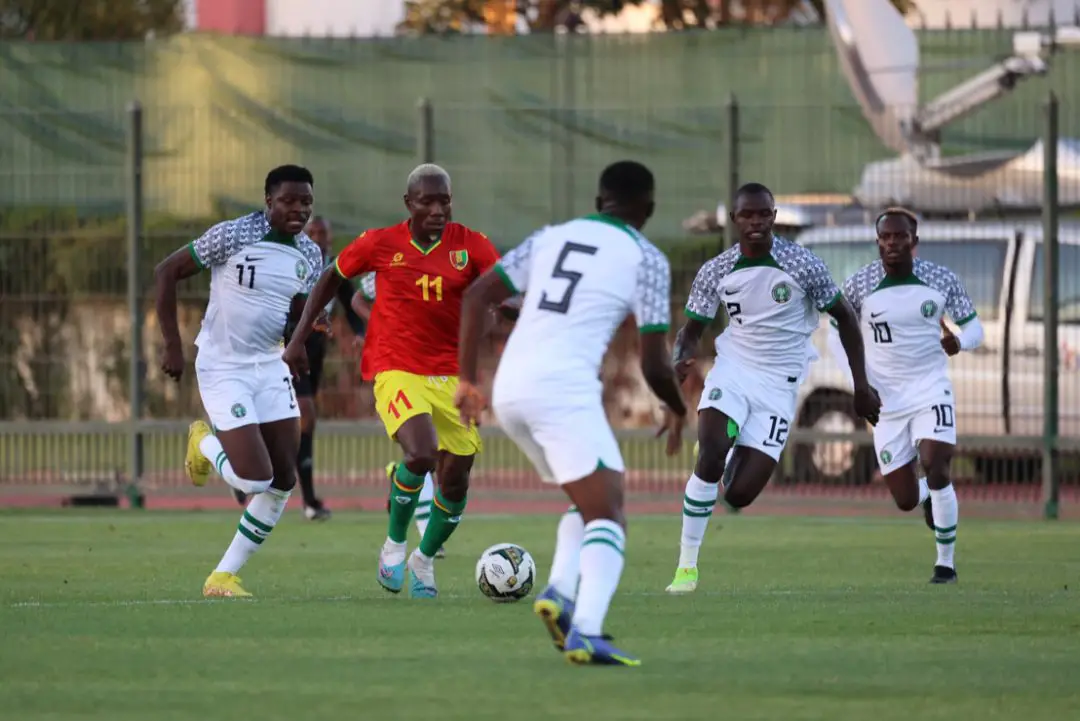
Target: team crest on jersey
{"points": [[715, 393], [886, 457], [928, 309], [301, 269], [459, 259], [238, 410], [781, 292]]}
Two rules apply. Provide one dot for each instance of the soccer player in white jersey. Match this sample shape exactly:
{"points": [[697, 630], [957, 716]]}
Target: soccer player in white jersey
{"points": [[580, 279], [259, 264], [772, 291], [901, 301]]}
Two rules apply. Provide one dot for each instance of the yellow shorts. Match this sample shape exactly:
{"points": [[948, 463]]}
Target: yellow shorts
{"points": [[400, 396]]}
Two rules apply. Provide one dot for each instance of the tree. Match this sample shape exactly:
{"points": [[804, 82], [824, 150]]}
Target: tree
{"points": [[89, 19]]}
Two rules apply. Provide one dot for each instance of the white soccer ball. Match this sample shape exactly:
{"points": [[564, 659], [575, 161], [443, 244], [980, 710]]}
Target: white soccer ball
{"points": [[505, 573]]}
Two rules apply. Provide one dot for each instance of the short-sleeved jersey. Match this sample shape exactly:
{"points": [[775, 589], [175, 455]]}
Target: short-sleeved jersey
{"points": [[580, 281], [255, 272], [900, 320], [772, 302], [414, 326]]}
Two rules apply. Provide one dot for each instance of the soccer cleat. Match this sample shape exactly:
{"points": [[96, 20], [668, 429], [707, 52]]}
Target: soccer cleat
{"points": [[421, 577], [944, 574], [555, 611], [584, 650], [317, 512], [196, 466], [221, 584], [685, 581], [391, 575], [928, 513]]}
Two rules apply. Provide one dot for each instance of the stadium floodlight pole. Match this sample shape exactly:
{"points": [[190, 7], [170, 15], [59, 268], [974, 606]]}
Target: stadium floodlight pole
{"points": [[137, 368], [1051, 273], [731, 237]]}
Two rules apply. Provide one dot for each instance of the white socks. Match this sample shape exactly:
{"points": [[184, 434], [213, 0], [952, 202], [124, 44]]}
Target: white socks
{"points": [[924, 490], [259, 519], [423, 504], [565, 567], [946, 512], [698, 504], [211, 448], [601, 568]]}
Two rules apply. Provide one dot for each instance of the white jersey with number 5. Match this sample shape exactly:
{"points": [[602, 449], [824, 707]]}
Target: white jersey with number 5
{"points": [[254, 275], [580, 279], [900, 320]]}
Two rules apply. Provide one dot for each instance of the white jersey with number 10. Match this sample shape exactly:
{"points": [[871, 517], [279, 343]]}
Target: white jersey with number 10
{"points": [[580, 279]]}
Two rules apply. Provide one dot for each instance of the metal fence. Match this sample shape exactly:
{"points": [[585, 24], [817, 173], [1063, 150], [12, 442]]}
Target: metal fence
{"points": [[98, 194]]}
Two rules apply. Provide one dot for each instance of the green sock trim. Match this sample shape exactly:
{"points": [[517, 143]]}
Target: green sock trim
{"points": [[572, 509], [406, 477], [698, 504], [698, 514], [946, 541], [444, 520], [252, 520], [950, 529], [249, 535], [605, 541]]}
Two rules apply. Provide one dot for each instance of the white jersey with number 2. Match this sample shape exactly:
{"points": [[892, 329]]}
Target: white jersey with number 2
{"points": [[581, 279]]}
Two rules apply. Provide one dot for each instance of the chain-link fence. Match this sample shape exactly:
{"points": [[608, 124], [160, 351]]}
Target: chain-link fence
{"points": [[524, 126]]}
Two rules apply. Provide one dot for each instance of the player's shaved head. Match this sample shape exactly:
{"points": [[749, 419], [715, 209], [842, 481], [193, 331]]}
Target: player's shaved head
{"points": [[429, 201], [426, 173], [627, 189], [752, 190]]}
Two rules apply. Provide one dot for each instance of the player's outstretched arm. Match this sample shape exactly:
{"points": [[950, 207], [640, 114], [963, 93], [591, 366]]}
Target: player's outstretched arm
{"points": [[179, 265], [659, 373], [486, 291], [325, 288], [687, 341], [867, 403]]}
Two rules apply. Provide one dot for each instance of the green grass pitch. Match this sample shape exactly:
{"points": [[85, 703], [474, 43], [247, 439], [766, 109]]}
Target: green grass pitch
{"points": [[832, 619]]}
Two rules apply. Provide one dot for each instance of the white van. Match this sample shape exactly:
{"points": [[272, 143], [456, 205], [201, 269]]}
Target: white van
{"points": [[999, 387]]}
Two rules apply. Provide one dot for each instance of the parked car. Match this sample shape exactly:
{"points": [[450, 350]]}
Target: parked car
{"points": [[999, 386]]}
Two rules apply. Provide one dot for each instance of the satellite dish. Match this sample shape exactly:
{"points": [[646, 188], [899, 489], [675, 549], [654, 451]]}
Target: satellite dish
{"points": [[879, 55]]}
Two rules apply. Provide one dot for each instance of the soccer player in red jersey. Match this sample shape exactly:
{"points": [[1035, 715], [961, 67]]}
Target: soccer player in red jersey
{"points": [[422, 268]]}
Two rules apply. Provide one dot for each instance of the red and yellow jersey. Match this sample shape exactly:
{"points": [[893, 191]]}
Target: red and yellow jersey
{"points": [[414, 324]]}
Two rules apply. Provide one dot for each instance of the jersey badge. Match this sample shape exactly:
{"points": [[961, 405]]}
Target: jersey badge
{"points": [[459, 259], [886, 457], [781, 292], [301, 269], [238, 410], [928, 309]]}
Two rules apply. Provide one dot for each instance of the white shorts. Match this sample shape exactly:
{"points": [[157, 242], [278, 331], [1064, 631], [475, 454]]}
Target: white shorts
{"points": [[761, 405], [240, 395], [564, 442], [897, 436]]}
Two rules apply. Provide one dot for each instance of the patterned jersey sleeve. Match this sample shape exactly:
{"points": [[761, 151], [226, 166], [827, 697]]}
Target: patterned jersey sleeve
{"points": [[814, 276], [217, 245], [958, 303], [704, 297], [652, 304], [851, 292], [514, 267], [367, 287], [314, 257]]}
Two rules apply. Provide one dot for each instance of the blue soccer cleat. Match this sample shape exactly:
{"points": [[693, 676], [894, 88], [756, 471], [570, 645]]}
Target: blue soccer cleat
{"points": [[584, 650], [421, 577], [555, 610], [391, 575]]}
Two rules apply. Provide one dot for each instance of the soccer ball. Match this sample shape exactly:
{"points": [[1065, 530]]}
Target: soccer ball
{"points": [[505, 573]]}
